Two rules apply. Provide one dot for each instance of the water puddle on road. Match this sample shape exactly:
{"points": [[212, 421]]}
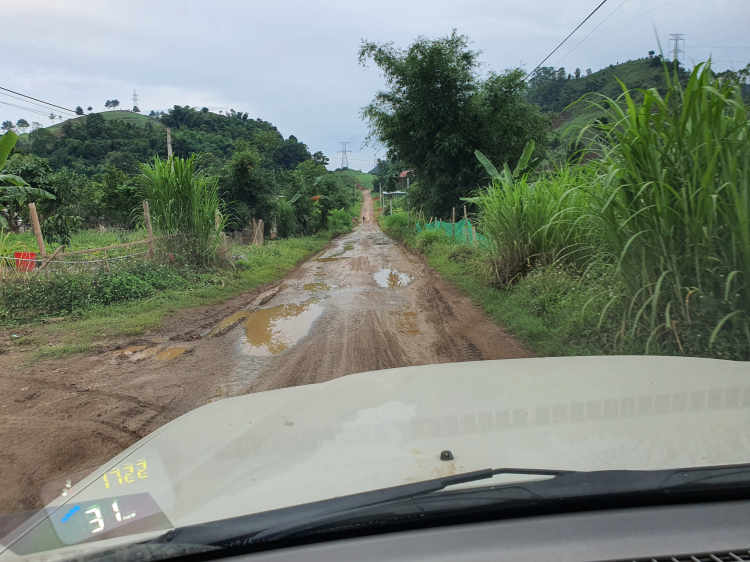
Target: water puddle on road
{"points": [[171, 353], [129, 350], [270, 331], [148, 352], [392, 278], [326, 260], [316, 287], [229, 321]]}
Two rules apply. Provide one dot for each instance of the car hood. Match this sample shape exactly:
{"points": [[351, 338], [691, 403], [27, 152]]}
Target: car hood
{"points": [[384, 428]]}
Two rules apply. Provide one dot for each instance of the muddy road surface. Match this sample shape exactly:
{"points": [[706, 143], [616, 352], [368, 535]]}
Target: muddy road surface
{"points": [[364, 304]]}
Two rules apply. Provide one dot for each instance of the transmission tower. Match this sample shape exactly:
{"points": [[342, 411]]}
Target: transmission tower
{"points": [[343, 151], [676, 38], [135, 99]]}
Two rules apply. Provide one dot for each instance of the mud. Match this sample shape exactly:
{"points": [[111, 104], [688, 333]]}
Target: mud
{"points": [[329, 318]]}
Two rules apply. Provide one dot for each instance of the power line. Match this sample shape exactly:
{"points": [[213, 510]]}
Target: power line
{"points": [[592, 31], [25, 108], [42, 101], [563, 41]]}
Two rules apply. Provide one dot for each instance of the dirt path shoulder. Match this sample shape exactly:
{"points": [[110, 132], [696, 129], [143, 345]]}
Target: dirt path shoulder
{"points": [[362, 305]]}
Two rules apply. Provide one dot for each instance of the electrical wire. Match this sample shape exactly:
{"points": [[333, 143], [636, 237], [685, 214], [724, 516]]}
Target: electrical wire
{"points": [[23, 100], [25, 108], [590, 32], [42, 101], [563, 42]]}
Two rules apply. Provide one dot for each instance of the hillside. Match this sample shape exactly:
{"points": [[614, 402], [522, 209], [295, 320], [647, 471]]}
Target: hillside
{"points": [[554, 90], [360, 177], [90, 143]]}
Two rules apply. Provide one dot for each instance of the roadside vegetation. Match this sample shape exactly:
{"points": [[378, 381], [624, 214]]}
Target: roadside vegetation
{"points": [[639, 245], [196, 203]]}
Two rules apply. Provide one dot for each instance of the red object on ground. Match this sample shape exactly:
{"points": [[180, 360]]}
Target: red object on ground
{"points": [[25, 261]]}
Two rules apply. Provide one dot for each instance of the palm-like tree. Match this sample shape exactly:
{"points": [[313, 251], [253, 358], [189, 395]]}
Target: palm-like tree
{"points": [[14, 189]]}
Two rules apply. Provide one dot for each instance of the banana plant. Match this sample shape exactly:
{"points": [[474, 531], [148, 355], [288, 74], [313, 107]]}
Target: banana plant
{"points": [[524, 166], [13, 188]]}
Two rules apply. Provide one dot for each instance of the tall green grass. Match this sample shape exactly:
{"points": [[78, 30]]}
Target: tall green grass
{"points": [[182, 199], [666, 201], [676, 211]]}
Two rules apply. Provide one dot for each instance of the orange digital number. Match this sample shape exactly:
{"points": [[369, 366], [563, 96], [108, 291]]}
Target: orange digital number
{"points": [[142, 469], [129, 478], [116, 472]]}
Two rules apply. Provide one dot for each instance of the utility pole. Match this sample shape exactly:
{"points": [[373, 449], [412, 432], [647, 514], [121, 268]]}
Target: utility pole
{"points": [[344, 159], [135, 99], [677, 38], [169, 142]]}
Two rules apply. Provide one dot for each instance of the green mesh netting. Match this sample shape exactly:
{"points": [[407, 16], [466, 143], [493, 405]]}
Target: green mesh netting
{"points": [[458, 231]]}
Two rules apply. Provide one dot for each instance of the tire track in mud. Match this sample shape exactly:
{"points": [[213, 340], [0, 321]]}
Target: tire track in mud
{"points": [[63, 418]]}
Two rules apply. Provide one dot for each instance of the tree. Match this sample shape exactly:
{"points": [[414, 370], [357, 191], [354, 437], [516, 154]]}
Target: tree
{"points": [[79, 110], [15, 191], [561, 74], [22, 124], [135, 109], [152, 114], [588, 72], [651, 54], [89, 109], [578, 73], [35, 125], [436, 111], [320, 158], [52, 117], [7, 125]]}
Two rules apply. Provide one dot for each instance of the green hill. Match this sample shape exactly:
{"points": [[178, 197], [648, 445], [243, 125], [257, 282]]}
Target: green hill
{"points": [[360, 177], [554, 90], [122, 139]]}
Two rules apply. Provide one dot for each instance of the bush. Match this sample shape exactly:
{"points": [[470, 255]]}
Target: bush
{"points": [[28, 298], [120, 286], [397, 225], [339, 222]]}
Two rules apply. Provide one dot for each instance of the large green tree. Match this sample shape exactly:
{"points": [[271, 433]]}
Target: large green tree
{"points": [[438, 108]]}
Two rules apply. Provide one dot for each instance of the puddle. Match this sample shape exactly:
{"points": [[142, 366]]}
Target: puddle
{"points": [[316, 287], [326, 260], [171, 353], [129, 350], [228, 321], [272, 330], [148, 352], [409, 314], [392, 278]]}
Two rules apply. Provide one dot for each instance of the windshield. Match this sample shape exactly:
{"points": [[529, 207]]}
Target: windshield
{"points": [[531, 251]]}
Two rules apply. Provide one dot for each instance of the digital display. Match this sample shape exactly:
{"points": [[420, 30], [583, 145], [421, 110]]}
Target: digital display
{"points": [[78, 522], [128, 473]]}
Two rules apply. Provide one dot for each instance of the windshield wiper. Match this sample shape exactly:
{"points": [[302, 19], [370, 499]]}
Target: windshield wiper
{"points": [[291, 520], [400, 502]]}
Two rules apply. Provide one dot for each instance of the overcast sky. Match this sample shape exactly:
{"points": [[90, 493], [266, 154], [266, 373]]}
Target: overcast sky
{"points": [[294, 63]]}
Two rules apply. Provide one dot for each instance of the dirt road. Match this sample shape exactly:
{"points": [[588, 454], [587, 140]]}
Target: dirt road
{"points": [[364, 304]]}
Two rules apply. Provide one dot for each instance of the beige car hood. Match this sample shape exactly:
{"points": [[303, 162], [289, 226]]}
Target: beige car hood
{"points": [[385, 428]]}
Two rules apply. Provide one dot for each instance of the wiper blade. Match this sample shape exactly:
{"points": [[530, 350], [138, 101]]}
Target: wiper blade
{"points": [[271, 525], [565, 486]]}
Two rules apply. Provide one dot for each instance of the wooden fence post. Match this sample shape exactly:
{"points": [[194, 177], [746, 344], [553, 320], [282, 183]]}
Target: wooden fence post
{"points": [[454, 222], [37, 231], [466, 225], [47, 261], [169, 142], [147, 218], [474, 232], [261, 232]]}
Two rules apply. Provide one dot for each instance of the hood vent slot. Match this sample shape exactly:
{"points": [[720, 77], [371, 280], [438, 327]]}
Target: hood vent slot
{"points": [[733, 556]]}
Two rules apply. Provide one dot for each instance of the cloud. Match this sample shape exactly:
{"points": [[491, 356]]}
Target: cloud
{"points": [[294, 62]]}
